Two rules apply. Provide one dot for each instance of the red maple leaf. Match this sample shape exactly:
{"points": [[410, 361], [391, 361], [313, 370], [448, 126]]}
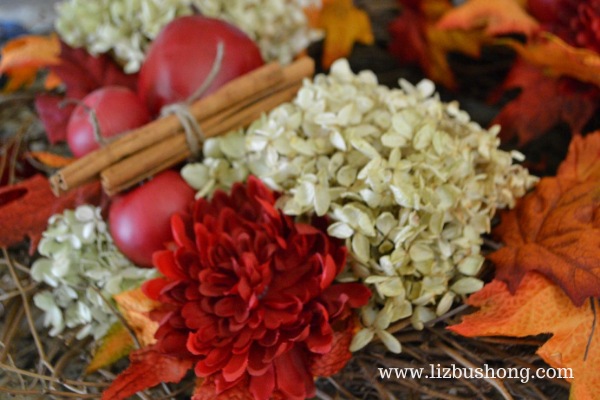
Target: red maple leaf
{"points": [[26, 207], [148, 368], [543, 103], [81, 74]]}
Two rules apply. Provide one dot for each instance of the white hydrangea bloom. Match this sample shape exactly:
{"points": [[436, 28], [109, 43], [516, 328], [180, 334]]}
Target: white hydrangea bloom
{"points": [[78, 254], [279, 27], [409, 182], [125, 28]]}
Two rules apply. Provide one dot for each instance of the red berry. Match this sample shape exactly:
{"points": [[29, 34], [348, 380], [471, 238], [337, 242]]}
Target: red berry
{"points": [[118, 110], [183, 54]]}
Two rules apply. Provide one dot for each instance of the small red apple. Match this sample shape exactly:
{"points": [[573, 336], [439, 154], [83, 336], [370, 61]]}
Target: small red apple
{"points": [[140, 220], [118, 110]]}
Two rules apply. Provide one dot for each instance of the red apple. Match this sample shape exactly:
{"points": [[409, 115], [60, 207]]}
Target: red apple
{"points": [[140, 221], [183, 54], [118, 110]]}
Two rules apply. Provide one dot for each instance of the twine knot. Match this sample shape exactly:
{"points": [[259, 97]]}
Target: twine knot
{"points": [[191, 127]]}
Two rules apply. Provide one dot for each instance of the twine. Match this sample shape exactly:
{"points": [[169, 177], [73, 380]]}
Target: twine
{"points": [[191, 127]]}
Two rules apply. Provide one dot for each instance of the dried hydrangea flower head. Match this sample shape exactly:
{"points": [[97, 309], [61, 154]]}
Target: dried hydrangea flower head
{"points": [[78, 254], [279, 27], [125, 28], [409, 181]]}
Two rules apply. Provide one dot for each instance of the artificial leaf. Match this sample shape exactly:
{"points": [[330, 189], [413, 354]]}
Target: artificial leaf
{"points": [[332, 362], [54, 115], [555, 230], [50, 159], [542, 103], [135, 307], [81, 74], [117, 344], [497, 17], [148, 368], [417, 39], [26, 207], [558, 58], [344, 25], [22, 58], [538, 307]]}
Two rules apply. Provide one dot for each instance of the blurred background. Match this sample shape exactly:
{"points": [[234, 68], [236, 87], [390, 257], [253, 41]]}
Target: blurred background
{"points": [[33, 15]]}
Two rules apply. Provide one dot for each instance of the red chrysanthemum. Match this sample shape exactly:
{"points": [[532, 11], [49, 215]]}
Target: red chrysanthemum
{"points": [[251, 295]]}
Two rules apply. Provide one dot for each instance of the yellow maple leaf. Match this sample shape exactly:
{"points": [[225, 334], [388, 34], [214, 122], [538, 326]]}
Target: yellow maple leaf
{"points": [[135, 307], [344, 25], [558, 58], [539, 306], [22, 57], [117, 344]]}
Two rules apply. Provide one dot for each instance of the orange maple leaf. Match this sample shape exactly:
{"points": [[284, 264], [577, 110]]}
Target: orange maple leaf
{"points": [[556, 229], [416, 38], [496, 17], [22, 57], [344, 25], [557, 58], [136, 307], [538, 307]]}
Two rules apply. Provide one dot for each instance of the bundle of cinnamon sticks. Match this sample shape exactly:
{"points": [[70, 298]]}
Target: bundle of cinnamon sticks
{"points": [[162, 144]]}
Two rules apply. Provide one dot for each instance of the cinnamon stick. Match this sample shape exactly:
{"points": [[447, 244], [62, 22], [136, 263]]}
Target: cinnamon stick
{"points": [[237, 93], [174, 150]]}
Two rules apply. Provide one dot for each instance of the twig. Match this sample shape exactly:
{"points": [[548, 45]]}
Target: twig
{"points": [[50, 392], [15, 293], [178, 391], [51, 378], [322, 395], [62, 362], [425, 390], [13, 321], [340, 388], [458, 358], [375, 383], [15, 153], [34, 333]]}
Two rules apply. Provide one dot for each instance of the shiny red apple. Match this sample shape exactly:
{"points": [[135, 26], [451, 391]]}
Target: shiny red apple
{"points": [[140, 220], [183, 54]]}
